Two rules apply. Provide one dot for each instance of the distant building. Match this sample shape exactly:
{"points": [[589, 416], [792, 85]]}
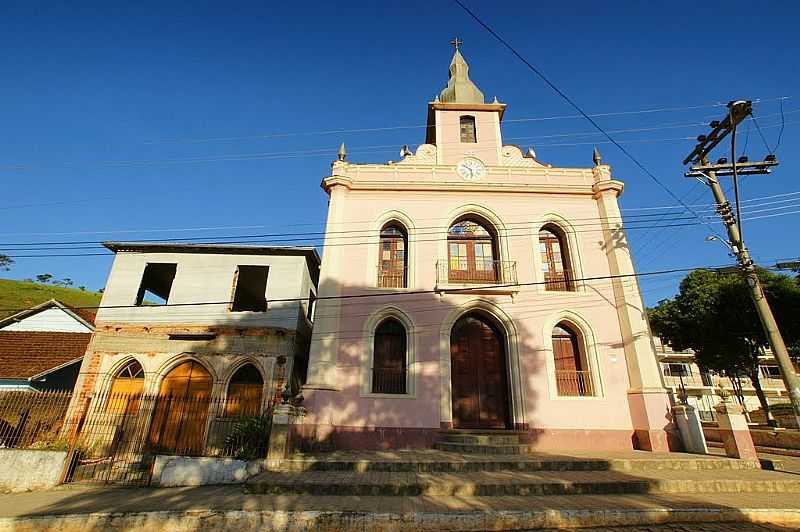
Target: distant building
{"points": [[200, 325], [680, 369], [41, 348]]}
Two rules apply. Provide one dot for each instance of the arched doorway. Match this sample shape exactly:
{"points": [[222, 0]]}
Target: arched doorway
{"points": [[179, 420], [478, 374]]}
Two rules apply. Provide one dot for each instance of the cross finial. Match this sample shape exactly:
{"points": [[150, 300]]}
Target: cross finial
{"points": [[456, 43]]}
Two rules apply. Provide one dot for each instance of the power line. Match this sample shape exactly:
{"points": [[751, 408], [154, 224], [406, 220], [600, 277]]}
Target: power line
{"points": [[311, 242], [425, 126], [391, 294], [583, 113], [367, 232]]}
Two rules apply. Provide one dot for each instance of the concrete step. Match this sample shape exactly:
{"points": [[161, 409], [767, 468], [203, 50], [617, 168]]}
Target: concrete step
{"points": [[499, 484], [431, 461], [484, 448], [480, 439]]}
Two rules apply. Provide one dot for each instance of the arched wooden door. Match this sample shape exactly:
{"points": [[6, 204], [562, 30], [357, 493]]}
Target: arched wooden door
{"points": [[478, 375], [181, 411]]}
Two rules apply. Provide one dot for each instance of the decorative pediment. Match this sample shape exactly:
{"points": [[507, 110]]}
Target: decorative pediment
{"points": [[426, 154], [512, 156]]}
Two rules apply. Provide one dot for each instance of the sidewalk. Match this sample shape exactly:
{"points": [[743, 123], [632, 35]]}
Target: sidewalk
{"points": [[219, 507]]}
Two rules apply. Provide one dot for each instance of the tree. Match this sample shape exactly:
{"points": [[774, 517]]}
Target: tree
{"points": [[5, 262], [44, 277], [714, 316]]}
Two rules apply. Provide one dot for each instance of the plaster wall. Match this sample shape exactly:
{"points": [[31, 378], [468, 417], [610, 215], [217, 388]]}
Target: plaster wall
{"points": [[203, 278], [22, 470], [517, 217], [487, 135]]}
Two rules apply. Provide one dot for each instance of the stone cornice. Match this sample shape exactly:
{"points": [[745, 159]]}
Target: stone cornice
{"points": [[608, 185], [450, 186], [456, 106]]}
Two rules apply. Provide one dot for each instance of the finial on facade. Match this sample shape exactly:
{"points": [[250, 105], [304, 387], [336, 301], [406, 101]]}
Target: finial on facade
{"points": [[531, 153], [596, 157], [436, 99], [342, 152], [457, 43], [496, 100]]}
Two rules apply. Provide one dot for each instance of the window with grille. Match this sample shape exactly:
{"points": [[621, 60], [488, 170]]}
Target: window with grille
{"points": [[389, 358], [471, 251], [393, 260], [555, 260], [244, 392]]}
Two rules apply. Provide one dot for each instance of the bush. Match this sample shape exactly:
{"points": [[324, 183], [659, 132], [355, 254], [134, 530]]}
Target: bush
{"points": [[248, 438]]}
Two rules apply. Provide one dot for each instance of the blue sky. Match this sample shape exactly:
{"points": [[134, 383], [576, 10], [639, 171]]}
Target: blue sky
{"points": [[105, 109]]}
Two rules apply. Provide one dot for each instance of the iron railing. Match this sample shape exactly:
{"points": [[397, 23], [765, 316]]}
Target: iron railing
{"points": [[389, 380], [391, 274], [460, 271], [574, 383], [688, 380], [120, 434], [32, 419], [562, 281]]}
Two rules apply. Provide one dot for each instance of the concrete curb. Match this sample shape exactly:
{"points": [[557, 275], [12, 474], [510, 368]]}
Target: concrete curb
{"points": [[323, 521]]}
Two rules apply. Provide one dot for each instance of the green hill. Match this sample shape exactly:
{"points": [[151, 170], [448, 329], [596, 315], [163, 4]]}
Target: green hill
{"points": [[19, 295]]}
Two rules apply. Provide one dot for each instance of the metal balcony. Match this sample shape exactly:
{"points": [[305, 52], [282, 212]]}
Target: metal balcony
{"points": [[459, 271]]}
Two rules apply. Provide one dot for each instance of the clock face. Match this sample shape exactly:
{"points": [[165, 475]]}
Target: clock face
{"points": [[471, 169]]}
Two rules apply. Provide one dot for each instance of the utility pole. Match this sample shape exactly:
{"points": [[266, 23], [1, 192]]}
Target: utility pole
{"points": [[707, 173]]}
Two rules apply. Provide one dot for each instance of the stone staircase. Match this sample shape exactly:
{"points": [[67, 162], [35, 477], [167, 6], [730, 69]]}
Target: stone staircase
{"points": [[494, 442], [497, 464]]}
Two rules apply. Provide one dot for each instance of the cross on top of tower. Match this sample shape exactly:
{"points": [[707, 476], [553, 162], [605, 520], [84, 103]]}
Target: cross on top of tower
{"points": [[456, 43]]}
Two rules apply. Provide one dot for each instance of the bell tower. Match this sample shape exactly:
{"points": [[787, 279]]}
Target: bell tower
{"points": [[460, 123]]}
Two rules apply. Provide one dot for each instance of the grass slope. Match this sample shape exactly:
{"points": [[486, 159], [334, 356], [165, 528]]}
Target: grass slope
{"points": [[19, 295]]}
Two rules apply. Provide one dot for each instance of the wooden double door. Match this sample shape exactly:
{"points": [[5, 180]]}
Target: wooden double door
{"points": [[478, 375]]}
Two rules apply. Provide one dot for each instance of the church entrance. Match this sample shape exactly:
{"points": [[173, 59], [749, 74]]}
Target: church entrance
{"points": [[478, 374]]}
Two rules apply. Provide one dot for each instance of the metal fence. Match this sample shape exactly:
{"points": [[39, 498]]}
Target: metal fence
{"points": [[574, 383], [120, 435], [32, 419]]}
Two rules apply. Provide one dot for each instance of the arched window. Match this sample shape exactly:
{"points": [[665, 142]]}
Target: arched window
{"points": [[556, 264], [126, 389], [244, 392], [393, 261], [471, 251], [389, 358], [467, 124], [573, 377]]}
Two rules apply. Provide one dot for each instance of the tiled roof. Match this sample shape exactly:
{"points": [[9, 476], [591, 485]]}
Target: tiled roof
{"points": [[25, 354]]}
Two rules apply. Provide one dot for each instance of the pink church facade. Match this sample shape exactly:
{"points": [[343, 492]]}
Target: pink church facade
{"points": [[470, 286]]}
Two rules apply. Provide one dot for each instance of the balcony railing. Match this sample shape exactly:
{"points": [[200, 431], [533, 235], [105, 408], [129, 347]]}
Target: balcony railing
{"points": [[389, 381], [574, 383], [559, 281], [460, 271], [391, 274], [688, 380]]}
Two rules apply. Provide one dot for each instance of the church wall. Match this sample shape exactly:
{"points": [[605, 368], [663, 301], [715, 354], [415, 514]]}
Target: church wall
{"points": [[363, 420]]}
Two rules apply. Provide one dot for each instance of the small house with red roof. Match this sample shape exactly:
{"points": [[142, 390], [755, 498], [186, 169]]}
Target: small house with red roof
{"points": [[41, 348]]}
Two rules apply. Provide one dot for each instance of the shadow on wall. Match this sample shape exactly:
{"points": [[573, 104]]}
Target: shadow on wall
{"points": [[354, 417]]}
